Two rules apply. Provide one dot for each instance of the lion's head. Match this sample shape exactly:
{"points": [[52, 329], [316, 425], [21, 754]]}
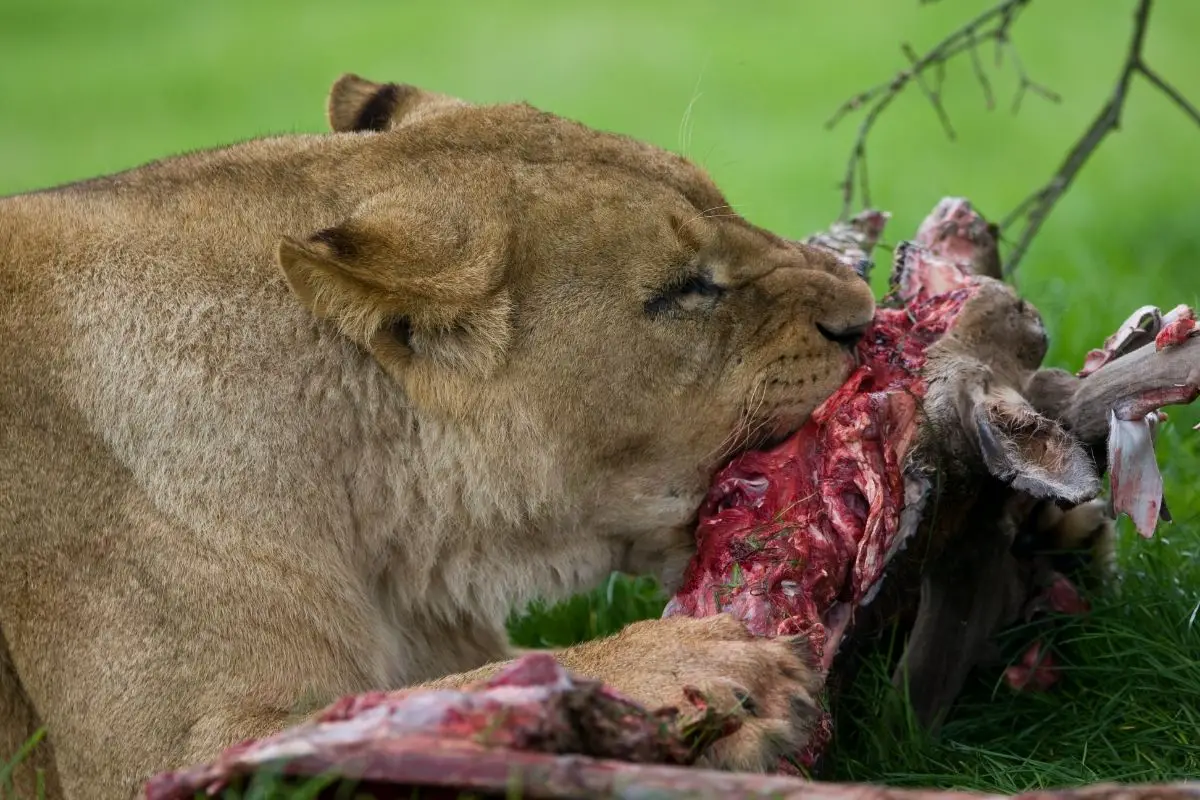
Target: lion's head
{"points": [[585, 309]]}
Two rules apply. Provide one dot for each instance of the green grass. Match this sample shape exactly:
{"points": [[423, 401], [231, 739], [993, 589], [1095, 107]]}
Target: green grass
{"points": [[744, 89]]}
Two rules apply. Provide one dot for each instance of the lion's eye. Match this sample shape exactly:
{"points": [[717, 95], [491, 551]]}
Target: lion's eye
{"points": [[695, 292]]}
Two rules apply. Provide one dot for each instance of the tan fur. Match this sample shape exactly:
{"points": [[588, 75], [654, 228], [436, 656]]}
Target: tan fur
{"points": [[1085, 531], [309, 415]]}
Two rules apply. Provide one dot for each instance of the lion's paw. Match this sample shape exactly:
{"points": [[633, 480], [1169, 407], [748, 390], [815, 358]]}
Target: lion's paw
{"points": [[769, 684]]}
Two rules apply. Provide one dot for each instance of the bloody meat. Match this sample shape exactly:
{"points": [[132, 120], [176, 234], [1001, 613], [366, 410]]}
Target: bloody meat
{"points": [[791, 540], [532, 706]]}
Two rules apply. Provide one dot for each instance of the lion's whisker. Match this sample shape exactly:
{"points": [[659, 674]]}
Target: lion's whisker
{"points": [[705, 214]]}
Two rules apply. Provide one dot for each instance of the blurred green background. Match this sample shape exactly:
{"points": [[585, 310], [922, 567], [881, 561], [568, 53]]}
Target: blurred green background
{"points": [[88, 87], [744, 89]]}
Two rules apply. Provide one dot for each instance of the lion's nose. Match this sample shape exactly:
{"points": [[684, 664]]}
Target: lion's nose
{"points": [[847, 337]]}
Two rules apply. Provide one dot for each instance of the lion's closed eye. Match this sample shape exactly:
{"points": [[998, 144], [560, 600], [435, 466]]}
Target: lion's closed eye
{"points": [[692, 293]]}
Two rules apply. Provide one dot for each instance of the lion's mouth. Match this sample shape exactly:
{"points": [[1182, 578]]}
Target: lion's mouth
{"points": [[795, 533], [782, 423]]}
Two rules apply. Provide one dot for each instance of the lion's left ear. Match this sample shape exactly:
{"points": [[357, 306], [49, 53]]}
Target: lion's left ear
{"points": [[358, 104], [410, 283]]}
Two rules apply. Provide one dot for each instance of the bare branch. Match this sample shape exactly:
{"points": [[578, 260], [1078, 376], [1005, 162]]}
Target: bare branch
{"points": [[862, 176], [995, 25], [1025, 83], [1170, 91], [981, 75], [857, 165], [992, 24], [1035, 209], [934, 94]]}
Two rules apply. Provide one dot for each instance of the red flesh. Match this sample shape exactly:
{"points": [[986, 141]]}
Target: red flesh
{"points": [[534, 705], [793, 539], [1037, 672], [787, 533], [1136, 483], [1133, 332], [1178, 325]]}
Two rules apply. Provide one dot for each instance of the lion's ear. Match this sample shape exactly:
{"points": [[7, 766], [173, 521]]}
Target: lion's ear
{"points": [[358, 104], [415, 287], [332, 289]]}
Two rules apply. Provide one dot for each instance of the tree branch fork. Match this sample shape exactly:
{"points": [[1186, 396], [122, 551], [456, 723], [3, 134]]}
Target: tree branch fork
{"points": [[995, 25]]}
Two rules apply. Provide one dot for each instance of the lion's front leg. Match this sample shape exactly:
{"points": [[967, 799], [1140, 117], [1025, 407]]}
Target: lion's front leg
{"points": [[768, 683]]}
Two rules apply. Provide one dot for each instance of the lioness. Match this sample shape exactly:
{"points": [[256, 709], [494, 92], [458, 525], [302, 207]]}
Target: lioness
{"points": [[309, 415]]}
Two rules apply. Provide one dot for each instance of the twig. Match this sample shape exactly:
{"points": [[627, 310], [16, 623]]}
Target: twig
{"points": [[934, 94], [981, 76], [1034, 209], [1025, 83], [1170, 91], [995, 24], [992, 24]]}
